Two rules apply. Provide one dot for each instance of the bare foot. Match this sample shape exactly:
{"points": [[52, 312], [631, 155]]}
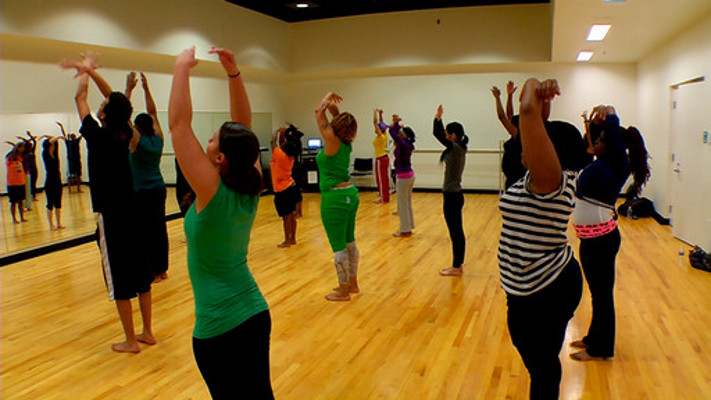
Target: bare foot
{"points": [[338, 296], [163, 275], [24, 219], [125, 347], [579, 344], [352, 289], [402, 234], [146, 338], [394, 212], [52, 228], [284, 244], [14, 221], [61, 227], [450, 271], [584, 356], [378, 201], [157, 279]]}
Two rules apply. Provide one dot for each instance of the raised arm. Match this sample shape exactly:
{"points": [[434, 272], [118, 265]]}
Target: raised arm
{"points": [[539, 153], [199, 171], [438, 128], [510, 90], [331, 142], [61, 126], [151, 106], [589, 146], [131, 82], [81, 96], [240, 109], [506, 122]]}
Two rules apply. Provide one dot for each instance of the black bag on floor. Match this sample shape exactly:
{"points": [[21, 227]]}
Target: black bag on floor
{"points": [[699, 259]]}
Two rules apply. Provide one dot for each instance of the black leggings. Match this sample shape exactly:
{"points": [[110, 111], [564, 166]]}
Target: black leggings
{"points": [[537, 324], [453, 203], [597, 257], [235, 365]]}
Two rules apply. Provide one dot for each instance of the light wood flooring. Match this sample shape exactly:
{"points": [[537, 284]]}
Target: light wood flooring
{"points": [[77, 217], [410, 334]]}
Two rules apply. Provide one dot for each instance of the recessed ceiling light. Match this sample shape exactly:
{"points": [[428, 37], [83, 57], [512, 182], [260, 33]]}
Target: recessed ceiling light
{"points": [[584, 56], [302, 5], [613, 1], [598, 32]]}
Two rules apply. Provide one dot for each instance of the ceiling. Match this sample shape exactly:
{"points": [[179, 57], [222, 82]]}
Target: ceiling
{"points": [[287, 11], [638, 26]]}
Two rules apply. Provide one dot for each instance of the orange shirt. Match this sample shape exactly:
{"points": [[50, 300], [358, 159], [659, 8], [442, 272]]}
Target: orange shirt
{"points": [[281, 170], [15, 172]]}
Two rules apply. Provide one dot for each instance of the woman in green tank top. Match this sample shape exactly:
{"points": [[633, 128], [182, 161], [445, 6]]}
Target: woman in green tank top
{"points": [[232, 321], [339, 197]]}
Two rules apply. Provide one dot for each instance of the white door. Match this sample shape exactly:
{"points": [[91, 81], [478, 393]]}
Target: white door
{"points": [[691, 164]]}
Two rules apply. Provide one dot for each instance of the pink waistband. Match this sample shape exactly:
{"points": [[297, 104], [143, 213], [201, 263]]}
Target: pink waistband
{"points": [[595, 230], [405, 175]]}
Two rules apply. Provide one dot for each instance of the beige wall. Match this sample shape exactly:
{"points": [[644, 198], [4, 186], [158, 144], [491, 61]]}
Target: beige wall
{"points": [[686, 57], [404, 62]]}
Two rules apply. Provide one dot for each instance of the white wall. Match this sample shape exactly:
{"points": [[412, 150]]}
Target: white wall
{"points": [[685, 57], [466, 97]]}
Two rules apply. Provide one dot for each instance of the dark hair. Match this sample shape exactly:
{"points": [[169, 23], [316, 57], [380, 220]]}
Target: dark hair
{"points": [[345, 127], [292, 146], [638, 156], [569, 145], [514, 120], [144, 124], [409, 133], [456, 129], [241, 149], [117, 113], [46, 144]]}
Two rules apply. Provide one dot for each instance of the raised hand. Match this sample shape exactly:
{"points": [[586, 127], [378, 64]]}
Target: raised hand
{"points": [[131, 81], [144, 81], [187, 58], [548, 89], [227, 59], [495, 91], [510, 88], [439, 113]]}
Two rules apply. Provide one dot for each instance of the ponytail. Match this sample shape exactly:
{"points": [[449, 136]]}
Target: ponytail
{"points": [[456, 129], [638, 157]]}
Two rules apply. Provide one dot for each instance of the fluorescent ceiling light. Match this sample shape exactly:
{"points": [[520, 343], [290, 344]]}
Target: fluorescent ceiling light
{"points": [[584, 56], [613, 1], [598, 32], [302, 5]]}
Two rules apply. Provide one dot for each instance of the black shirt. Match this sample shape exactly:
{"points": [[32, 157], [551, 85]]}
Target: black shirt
{"points": [[110, 178]]}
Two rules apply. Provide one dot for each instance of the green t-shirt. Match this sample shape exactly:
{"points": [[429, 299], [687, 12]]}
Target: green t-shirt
{"points": [[225, 292], [145, 163], [333, 170]]}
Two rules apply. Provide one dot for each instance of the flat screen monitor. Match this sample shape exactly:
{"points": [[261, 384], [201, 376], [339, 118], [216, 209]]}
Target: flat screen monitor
{"points": [[313, 143]]}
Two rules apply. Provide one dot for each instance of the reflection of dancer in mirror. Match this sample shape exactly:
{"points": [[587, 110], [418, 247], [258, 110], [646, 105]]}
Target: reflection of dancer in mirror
{"points": [[286, 193], [16, 178], [339, 197], [112, 197], [293, 147], [146, 148], [539, 273], [454, 157], [382, 161], [53, 180], [232, 321], [30, 160], [73, 158]]}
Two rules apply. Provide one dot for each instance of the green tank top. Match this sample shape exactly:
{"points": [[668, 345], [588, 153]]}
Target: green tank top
{"points": [[225, 292], [333, 170]]}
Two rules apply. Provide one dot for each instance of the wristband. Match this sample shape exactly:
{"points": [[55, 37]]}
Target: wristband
{"points": [[235, 75]]}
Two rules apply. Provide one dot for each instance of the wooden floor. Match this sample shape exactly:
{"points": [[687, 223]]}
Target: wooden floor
{"points": [[77, 217], [410, 334]]}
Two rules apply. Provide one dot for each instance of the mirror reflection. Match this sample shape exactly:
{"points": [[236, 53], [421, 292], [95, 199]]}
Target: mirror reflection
{"points": [[77, 216]]}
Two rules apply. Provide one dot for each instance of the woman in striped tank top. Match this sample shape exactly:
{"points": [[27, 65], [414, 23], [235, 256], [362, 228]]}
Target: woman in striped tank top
{"points": [[541, 277]]}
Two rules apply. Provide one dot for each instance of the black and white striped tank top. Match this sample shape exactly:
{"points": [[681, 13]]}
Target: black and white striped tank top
{"points": [[533, 246]]}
